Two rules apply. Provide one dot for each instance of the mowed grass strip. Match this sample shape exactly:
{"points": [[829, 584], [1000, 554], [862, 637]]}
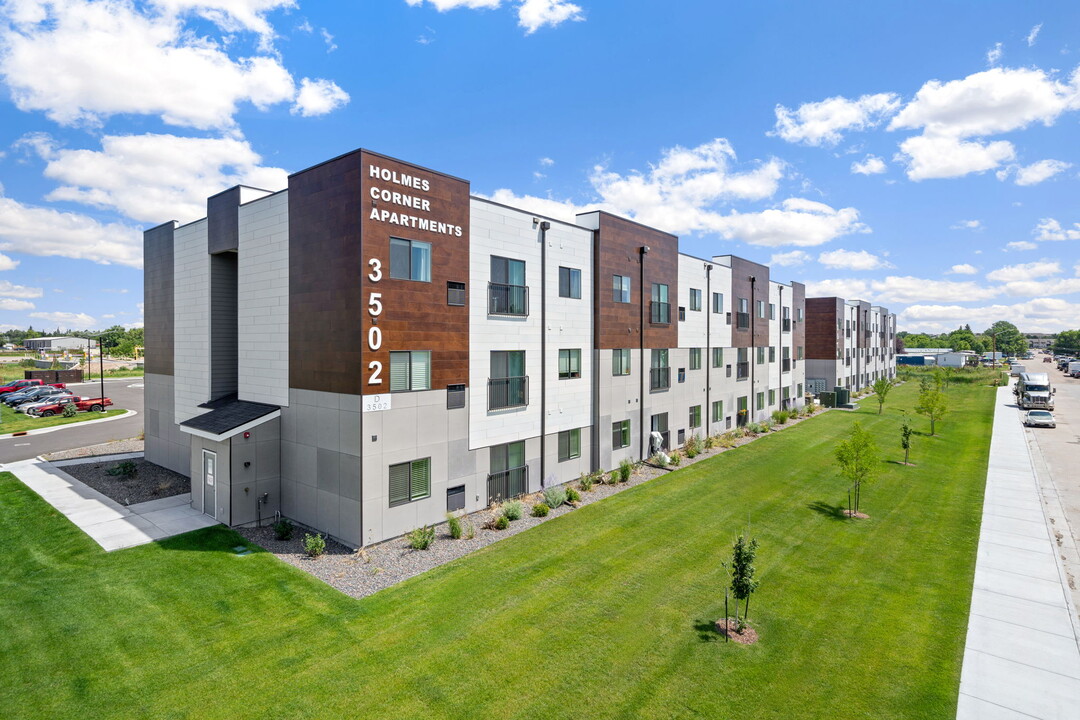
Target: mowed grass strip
{"points": [[12, 422], [606, 612]]}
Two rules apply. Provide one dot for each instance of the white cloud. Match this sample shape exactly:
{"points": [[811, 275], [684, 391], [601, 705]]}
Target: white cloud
{"points": [[444, 5], [7, 263], [546, 162], [872, 165], [1037, 172], [853, 260], [67, 320], [535, 14], [929, 156], [823, 123], [902, 289], [847, 288], [1021, 245], [994, 54], [563, 210], [1033, 34], [967, 225], [797, 221], [331, 46], [962, 269], [15, 305], [1025, 271], [795, 257], [1050, 229], [1035, 315], [231, 15], [45, 232], [1030, 288], [318, 97], [80, 62], [7, 289], [154, 178]]}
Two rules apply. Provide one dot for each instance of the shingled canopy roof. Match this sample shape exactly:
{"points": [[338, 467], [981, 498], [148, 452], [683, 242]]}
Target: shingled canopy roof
{"points": [[229, 417]]}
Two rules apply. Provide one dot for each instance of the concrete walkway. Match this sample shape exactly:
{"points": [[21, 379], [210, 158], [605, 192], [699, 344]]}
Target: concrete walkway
{"points": [[109, 524], [1022, 657]]}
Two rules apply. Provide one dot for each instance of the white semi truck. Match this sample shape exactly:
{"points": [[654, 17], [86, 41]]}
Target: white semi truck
{"points": [[1033, 392]]}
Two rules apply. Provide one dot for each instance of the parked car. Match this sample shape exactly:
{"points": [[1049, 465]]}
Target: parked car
{"points": [[40, 391], [47, 400], [24, 385], [84, 404], [1040, 418]]}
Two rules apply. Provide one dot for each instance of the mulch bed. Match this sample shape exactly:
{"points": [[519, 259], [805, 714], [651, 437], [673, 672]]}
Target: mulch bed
{"points": [[151, 482], [856, 515], [729, 627]]}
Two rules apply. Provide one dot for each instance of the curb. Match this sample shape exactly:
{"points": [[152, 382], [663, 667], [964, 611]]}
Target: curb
{"points": [[42, 431], [91, 459]]}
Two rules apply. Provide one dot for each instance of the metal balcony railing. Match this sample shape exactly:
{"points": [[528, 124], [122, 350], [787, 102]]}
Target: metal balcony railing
{"points": [[742, 370], [785, 365], [659, 378], [508, 299], [508, 392], [742, 321], [660, 313], [785, 325], [507, 484]]}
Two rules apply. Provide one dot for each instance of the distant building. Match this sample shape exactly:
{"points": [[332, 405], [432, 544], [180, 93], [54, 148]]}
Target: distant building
{"points": [[849, 343], [58, 343], [1040, 341]]}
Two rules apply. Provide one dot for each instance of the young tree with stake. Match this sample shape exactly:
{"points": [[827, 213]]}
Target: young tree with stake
{"points": [[933, 404], [905, 439], [743, 583], [881, 388], [857, 455]]}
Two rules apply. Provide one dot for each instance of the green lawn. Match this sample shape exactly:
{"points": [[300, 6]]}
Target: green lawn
{"points": [[605, 612], [11, 421]]}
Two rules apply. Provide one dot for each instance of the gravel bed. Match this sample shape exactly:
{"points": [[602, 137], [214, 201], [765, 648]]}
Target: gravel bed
{"points": [[113, 447], [151, 482], [360, 573]]}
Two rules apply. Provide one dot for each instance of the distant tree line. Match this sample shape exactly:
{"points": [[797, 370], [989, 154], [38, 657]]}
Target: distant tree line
{"points": [[1067, 341], [116, 340], [1003, 335]]}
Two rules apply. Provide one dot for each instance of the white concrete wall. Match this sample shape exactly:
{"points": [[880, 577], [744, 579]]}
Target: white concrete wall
{"points": [[191, 318], [263, 300]]}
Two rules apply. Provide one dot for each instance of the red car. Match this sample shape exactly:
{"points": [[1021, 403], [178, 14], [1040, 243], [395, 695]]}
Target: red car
{"points": [[91, 404], [24, 384]]}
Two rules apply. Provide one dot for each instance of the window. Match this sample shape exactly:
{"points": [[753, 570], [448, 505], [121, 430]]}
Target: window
{"points": [[682, 313], [620, 434], [455, 293], [717, 410], [742, 317], [772, 354], [621, 288], [569, 283], [569, 364], [410, 260], [661, 309], [659, 370], [508, 386], [695, 299], [682, 375], [718, 302], [742, 364], [695, 358], [569, 444], [760, 401], [410, 481], [772, 397], [695, 416], [509, 475], [507, 292], [761, 356], [410, 371], [455, 498], [455, 397], [799, 352], [620, 362], [772, 311], [798, 391], [785, 394], [718, 357]]}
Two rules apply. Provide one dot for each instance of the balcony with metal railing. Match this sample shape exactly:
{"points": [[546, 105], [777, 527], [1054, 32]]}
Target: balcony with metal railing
{"points": [[742, 370], [508, 299], [785, 365], [785, 325], [742, 321], [659, 378], [507, 483], [660, 313], [509, 392]]}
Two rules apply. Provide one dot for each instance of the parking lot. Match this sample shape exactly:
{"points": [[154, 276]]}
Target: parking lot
{"points": [[1056, 455]]}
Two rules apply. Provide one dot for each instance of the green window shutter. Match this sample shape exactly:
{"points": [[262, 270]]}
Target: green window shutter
{"points": [[399, 371], [421, 371], [421, 479], [399, 484], [575, 443]]}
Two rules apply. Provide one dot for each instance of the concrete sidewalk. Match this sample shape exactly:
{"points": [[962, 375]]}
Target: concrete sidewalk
{"points": [[109, 524], [1022, 657]]}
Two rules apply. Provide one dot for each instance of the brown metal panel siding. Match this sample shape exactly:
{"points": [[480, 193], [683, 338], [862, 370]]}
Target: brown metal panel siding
{"points": [[223, 221], [864, 324], [415, 314], [618, 252], [158, 298], [325, 331], [741, 270], [822, 337]]}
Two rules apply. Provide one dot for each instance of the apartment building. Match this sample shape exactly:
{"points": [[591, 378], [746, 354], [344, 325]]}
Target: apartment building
{"points": [[374, 347], [850, 343]]}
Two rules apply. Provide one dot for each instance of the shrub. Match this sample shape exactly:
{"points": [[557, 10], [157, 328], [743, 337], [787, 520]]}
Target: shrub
{"points": [[625, 469], [125, 469], [657, 459], [453, 525], [501, 523], [470, 531], [283, 529], [710, 442], [554, 496], [421, 538], [572, 495], [780, 416], [513, 510], [738, 433], [613, 477], [540, 510], [676, 458], [586, 482], [693, 446], [70, 410], [314, 545]]}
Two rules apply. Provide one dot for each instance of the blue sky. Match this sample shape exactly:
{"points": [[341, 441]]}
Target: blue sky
{"points": [[923, 156]]}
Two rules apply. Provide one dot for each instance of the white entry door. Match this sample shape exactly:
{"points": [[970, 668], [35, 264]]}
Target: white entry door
{"points": [[209, 463]]}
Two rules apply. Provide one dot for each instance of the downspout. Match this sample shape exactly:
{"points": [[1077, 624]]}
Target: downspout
{"points": [[641, 347], [753, 350], [544, 227], [780, 348], [707, 362]]}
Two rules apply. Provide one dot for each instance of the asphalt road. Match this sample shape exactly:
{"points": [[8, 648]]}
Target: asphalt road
{"points": [[126, 393], [1055, 453]]}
